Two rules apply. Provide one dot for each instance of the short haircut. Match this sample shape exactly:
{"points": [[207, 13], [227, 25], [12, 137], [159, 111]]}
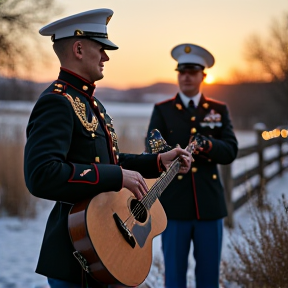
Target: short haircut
{"points": [[62, 46]]}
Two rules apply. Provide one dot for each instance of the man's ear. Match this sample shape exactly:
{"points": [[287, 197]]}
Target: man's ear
{"points": [[77, 49]]}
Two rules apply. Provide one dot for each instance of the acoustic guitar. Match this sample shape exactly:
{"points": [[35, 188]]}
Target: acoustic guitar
{"points": [[112, 233]]}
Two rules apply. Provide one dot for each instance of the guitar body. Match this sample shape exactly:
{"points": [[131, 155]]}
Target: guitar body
{"points": [[114, 255]]}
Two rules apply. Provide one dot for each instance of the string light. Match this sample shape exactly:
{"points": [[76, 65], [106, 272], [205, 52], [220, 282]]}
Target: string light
{"points": [[267, 135], [284, 133]]}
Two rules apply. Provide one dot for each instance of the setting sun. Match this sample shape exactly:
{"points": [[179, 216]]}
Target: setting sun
{"points": [[209, 79]]}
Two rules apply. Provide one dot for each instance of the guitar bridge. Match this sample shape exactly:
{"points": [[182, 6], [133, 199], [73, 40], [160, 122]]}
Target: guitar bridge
{"points": [[124, 231], [82, 261]]}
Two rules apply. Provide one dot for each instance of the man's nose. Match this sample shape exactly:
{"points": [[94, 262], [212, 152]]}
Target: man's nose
{"points": [[105, 57]]}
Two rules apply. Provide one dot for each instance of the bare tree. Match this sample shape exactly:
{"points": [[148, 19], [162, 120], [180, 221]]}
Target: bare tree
{"points": [[19, 22], [270, 55]]}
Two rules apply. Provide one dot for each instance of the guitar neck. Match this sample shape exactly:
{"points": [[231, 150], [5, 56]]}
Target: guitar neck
{"points": [[162, 182]]}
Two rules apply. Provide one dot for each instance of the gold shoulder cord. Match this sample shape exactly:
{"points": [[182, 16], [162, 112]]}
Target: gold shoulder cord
{"points": [[80, 110]]}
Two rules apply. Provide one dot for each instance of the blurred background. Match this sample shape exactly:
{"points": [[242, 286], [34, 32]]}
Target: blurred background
{"points": [[249, 40]]}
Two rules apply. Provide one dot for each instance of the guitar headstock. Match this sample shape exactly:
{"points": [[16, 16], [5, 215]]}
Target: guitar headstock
{"points": [[156, 143]]}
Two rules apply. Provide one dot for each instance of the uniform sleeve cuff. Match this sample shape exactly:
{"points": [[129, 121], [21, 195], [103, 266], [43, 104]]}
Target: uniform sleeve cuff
{"points": [[207, 150], [160, 165], [84, 173]]}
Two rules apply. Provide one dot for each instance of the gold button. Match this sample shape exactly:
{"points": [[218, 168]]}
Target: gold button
{"points": [[102, 115], [214, 176], [85, 88], [95, 103], [180, 177], [58, 85], [193, 118], [205, 105], [117, 156], [193, 130], [93, 135], [97, 159], [194, 169], [179, 106]]}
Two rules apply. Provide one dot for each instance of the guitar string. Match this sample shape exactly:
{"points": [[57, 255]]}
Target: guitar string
{"points": [[163, 184], [159, 185], [151, 197]]}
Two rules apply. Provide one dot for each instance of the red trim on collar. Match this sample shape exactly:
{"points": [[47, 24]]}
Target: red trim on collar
{"points": [[78, 76], [82, 92]]}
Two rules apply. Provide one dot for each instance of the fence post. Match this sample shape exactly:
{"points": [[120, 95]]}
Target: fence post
{"points": [[259, 128], [281, 156], [228, 187]]}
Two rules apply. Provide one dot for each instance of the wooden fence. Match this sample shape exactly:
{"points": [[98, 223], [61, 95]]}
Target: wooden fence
{"points": [[259, 171]]}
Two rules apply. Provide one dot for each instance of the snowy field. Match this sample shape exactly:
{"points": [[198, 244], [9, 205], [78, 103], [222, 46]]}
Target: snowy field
{"points": [[20, 240]]}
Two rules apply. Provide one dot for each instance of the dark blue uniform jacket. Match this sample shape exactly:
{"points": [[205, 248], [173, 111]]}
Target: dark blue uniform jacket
{"points": [[198, 194], [72, 154]]}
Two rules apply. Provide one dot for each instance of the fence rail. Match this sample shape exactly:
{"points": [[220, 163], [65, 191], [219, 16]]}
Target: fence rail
{"points": [[257, 189]]}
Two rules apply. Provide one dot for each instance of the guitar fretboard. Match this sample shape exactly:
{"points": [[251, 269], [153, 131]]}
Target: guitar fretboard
{"points": [[161, 184], [163, 181]]}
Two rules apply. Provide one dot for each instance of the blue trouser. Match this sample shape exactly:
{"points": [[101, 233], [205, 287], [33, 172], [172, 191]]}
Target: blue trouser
{"points": [[207, 241], [55, 283]]}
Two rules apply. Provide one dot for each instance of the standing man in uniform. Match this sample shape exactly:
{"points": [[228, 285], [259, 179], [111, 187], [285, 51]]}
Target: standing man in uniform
{"points": [[194, 202], [71, 152]]}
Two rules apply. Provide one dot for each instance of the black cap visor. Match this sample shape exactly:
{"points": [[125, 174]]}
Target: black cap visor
{"points": [[189, 66], [106, 43]]}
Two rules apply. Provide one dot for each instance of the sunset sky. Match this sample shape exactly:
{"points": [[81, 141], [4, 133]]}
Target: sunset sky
{"points": [[147, 30]]}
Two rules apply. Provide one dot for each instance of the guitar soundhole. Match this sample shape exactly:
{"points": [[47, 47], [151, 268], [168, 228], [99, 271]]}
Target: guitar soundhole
{"points": [[138, 210]]}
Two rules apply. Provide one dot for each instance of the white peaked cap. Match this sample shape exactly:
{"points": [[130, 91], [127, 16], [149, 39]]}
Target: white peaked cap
{"points": [[191, 56], [90, 24]]}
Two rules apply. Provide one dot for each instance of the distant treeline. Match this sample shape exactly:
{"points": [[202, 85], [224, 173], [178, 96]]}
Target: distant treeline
{"points": [[249, 103]]}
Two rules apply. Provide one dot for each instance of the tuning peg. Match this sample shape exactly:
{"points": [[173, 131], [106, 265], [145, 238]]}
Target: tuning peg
{"points": [[155, 143]]}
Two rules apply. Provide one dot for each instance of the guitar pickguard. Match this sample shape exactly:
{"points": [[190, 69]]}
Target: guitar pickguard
{"points": [[141, 232]]}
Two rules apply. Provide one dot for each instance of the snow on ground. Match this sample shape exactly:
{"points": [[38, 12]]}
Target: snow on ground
{"points": [[20, 243], [21, 239], [242, 216]]}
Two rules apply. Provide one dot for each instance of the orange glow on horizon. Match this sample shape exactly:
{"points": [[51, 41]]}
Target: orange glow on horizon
{"points": [[209, 79]]}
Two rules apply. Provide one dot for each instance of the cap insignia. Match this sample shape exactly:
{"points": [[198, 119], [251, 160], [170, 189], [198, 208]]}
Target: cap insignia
{"points": [[187, 49], [108, 19], [78, 32], [179, 106], [85, 88]]}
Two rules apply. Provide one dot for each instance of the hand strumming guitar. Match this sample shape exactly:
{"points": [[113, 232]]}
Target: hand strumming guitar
{"points": [[134, 182]]}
